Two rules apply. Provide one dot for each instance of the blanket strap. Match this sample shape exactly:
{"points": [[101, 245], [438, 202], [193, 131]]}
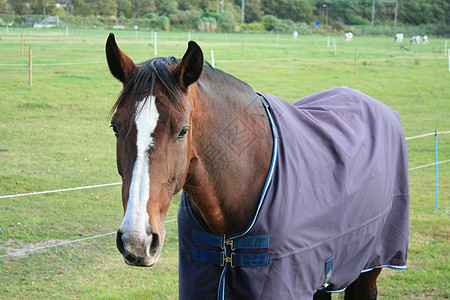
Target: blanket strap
{"points": [[228, 246]]}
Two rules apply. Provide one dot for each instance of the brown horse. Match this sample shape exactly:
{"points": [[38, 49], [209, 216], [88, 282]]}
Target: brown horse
{"points": [[181, 124]]}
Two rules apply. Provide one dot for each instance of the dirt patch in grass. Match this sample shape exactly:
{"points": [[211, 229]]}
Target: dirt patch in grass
{"points": [[15, 247]]}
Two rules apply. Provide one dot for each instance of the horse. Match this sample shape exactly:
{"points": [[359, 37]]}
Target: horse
{"points": [[292, 201]]}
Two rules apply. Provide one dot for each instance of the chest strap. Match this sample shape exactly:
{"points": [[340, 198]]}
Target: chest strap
{"points": [[227, 254]]}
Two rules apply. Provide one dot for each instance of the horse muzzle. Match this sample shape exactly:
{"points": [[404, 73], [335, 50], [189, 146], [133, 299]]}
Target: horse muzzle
{"points": [[140, 251]]}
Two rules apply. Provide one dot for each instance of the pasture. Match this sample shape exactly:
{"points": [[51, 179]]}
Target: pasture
{"points": [[55, 134]]}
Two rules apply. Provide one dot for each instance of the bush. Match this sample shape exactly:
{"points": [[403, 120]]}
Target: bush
{"points": [[358, 20], [253, 27], [271, 23], [227, 21], [151, 16], [59, 12], [303, 28], [163, 23], [185, 17]]}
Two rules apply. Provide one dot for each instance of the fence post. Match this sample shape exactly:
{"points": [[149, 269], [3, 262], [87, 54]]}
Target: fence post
{"points": [[334, 46], [448, 60], [290, 69], [30, 64], [436, 168], [356, 61], [155, 46]]}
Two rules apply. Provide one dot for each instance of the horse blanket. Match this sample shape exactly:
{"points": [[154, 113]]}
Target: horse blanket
{"points": [[335, 204]]}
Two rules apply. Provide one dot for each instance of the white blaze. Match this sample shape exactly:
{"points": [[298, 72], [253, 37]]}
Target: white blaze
{"points": [[136, 216]]}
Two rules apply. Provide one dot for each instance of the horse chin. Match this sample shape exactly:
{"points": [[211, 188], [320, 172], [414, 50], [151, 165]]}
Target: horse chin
{"points": [[141, 262]]}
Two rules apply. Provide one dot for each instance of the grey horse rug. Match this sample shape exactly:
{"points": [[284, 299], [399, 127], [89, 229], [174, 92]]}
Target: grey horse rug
{"points": [[335, 204]]}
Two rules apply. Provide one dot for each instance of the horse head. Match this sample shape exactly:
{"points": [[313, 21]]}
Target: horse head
{"points": [[151, 120]]}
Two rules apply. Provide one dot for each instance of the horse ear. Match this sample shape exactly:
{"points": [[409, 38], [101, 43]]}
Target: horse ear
{"points": [[120, 65], [189, 69]]}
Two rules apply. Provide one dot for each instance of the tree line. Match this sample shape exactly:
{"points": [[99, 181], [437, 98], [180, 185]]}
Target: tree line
{"points": [[270, 13]]}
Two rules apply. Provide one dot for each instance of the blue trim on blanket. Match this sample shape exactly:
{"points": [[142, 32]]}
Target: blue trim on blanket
{"points": [[385, 266], [365, 271], [271, 170], [221, 289]]}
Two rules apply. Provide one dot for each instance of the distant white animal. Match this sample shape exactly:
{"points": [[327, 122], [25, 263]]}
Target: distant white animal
{"points": [[425, 39], [295, 34], [348, 36], [399, 38], [415, 39]]}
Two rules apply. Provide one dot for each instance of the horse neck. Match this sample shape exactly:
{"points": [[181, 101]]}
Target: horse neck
{"points": [[231, 152]]}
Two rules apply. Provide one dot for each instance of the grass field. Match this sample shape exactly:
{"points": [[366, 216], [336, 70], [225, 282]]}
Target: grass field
{"points": [[55, 134]]}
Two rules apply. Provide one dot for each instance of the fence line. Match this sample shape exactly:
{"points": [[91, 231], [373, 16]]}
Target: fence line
{"points": [[427, 134], [55, 64], [66, 242], [429, 165], [229, 61], [61, 190]]}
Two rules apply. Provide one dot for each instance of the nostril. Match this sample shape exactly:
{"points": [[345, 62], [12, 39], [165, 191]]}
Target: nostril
{"points": [[154, 246], [120, 243]]}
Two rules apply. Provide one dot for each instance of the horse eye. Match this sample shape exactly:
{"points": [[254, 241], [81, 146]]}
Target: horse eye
{"points": [[183, 133], [115, 128]]}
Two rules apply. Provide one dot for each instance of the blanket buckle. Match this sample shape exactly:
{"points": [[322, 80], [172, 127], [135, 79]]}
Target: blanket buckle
{"points": [[227, 259], [228, 243]]}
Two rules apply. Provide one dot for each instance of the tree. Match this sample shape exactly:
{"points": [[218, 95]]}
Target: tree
{"points": [[416, 12], [40, 6], [194, 4], [3, 6], [124, 8], [81, 8], [253, 11], [105, 7], [227, 21], [166, 7], [143, 7], [295, 10], [59, 12], [20, 7], [185, 17]]}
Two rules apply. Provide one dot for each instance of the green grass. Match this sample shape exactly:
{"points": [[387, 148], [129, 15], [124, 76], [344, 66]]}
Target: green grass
{"points": [[55, 134]]}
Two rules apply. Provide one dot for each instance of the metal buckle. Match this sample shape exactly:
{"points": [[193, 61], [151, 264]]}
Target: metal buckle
{"points": [[226, 260], [228, 243]]}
